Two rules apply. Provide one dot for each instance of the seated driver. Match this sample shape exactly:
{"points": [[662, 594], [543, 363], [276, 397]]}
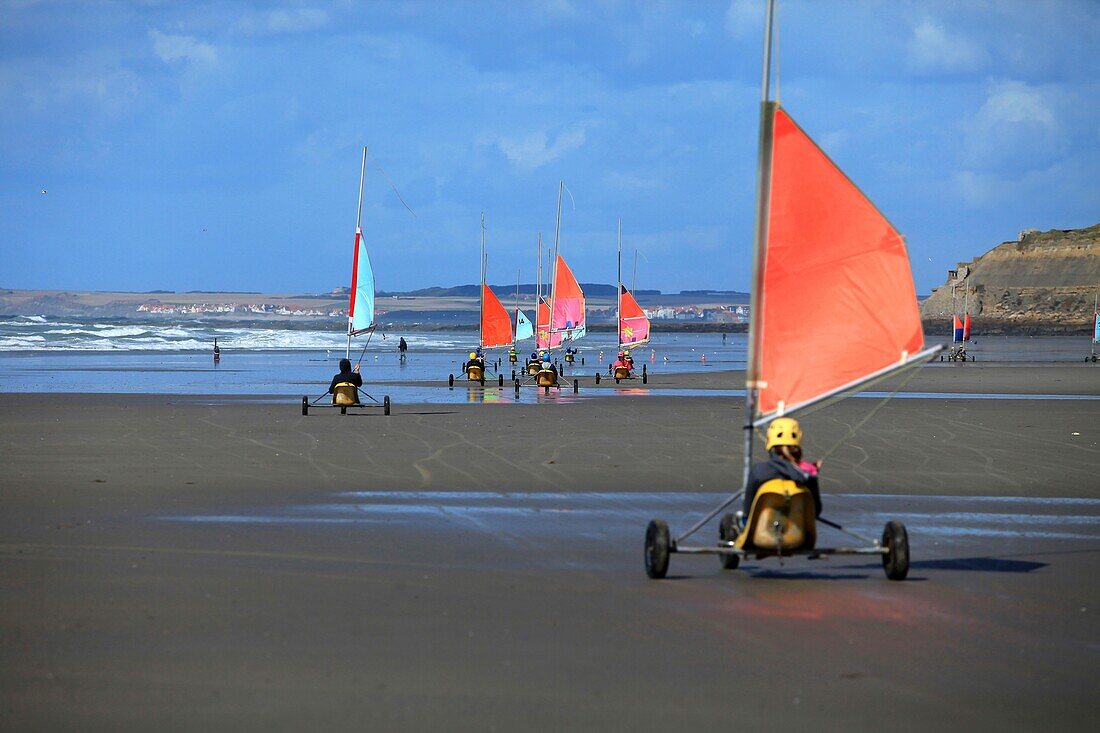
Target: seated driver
{"points": [[475, 360], [347, 374], [622, 362], [784, 446]]}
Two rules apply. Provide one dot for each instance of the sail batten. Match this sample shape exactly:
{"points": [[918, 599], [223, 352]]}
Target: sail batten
{"points": [[836, 304]]}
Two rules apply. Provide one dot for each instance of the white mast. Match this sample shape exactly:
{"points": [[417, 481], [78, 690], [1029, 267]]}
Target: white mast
{"points": [[619, 287], [554, 262], [481, 316], [760, 236], [358, 239]]}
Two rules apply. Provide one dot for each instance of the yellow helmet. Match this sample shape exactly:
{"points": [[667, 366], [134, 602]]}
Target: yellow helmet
{"points": [[783, 431], [473, 355]]}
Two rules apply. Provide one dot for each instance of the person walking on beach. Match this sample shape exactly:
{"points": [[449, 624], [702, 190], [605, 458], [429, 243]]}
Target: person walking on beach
{"points": [[402, 346], [784, 446], [217, 351], [348, 375]]}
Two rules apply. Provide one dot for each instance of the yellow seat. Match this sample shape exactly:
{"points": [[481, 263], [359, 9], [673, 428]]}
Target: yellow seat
{"points": [[622, 372], [475, 373], [533, 368], [782, 519], [345, 395], [546, 378], [569, 358]]}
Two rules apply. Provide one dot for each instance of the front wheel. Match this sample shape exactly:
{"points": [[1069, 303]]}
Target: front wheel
{"points": [[727, 532], [657, 544], [386, 405], [896, 560]]}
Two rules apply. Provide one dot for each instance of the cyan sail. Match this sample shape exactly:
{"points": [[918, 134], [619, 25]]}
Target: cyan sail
{"points": [[362, 283], [524, 329]]}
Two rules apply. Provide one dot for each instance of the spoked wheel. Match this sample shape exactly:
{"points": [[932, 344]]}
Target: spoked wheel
{"points": [[656, 549], [896, 560], [727, 532]]}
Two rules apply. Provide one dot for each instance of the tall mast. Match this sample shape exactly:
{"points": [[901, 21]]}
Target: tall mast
{"points": [[619, 287], [634, 281], [358, 238], [760, 236], [481, 317], [538, 280], [515, 328], [554, 261]]}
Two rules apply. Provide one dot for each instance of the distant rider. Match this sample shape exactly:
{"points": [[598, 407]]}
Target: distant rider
{"points": [[784, 446], [347, 374], [402, 346]]}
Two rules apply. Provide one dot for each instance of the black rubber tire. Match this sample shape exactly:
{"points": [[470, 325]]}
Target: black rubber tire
{"points": [[576, 386], [481, 381], [896, 541], [547, 390], [616, 380], [657, 544], [305, 405], [343, 410], [451, 380], [513, 375], [645, 378], [500, 380], [517, 386], [386, 405], [597, 377], [727, 532]]}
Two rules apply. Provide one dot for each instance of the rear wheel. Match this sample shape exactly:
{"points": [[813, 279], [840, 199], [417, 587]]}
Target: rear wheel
{"points": [[343, 410], [645, 378], [896, 560], [386, 405], [727, 532], [597, 377], [450, 380], [305, 405], [656, 549]]}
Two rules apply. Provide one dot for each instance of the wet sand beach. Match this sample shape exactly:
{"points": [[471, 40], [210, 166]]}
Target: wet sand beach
{"points": [[170, 563]]}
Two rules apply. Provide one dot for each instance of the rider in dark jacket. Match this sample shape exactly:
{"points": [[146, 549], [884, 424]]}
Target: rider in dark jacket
{"points": [[784, 462], [347, 374]]}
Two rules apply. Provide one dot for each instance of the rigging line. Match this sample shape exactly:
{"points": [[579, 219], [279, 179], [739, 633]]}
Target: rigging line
{"points": [[574, 202], [364, 351], [390, 181], [869, 415]]}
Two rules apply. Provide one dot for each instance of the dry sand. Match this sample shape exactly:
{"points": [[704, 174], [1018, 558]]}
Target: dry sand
{"points": [[171, 564]]}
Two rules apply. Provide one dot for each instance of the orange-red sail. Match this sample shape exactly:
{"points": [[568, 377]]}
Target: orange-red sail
{"points": [[543, 338], [633, 324], [836, 299], [568, 318], [496, 324]]}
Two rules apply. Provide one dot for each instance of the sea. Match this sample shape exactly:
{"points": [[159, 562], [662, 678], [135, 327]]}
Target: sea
{"points": [[77, 355]]}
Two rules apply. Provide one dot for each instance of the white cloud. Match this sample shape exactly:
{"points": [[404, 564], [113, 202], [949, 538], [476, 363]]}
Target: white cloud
{"points": [[745, 17], [170, 48], [535, 150], [933, 50], [1015, 102], [287, 20]]}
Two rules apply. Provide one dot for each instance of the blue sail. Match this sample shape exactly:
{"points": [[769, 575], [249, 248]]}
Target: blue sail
{"points": [[362, 308], [524, 329]]}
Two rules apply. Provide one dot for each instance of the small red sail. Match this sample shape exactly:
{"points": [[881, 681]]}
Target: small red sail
{"points": [[966, 327], [837, 302], [568, 316], [543, 338], [956, 330], [633, 324], [496, 324]]}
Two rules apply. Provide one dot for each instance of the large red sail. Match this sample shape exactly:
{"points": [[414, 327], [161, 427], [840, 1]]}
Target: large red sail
{"points": [[568, 298], [496, 324], [837, 302], [633, 324]]}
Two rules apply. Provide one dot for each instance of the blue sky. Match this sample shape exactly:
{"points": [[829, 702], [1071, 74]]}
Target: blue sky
{"points": [[215, 145]]}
